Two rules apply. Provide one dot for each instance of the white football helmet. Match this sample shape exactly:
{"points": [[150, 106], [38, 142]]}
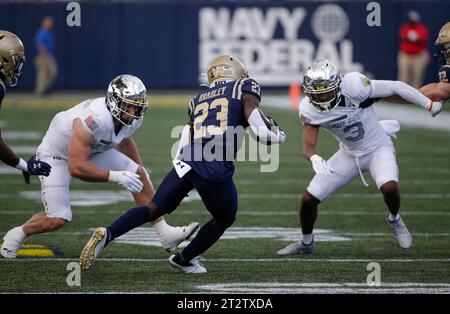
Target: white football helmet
{"points": [[322, 85], [125, 91]]}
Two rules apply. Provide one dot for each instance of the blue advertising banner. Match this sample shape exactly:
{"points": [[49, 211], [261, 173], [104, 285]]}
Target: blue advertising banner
{"points": [[170, 44]]}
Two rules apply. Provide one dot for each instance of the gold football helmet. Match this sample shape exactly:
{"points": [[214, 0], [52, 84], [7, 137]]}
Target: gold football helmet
{"points": [[226, 67], [443, 43], [12, 57]]}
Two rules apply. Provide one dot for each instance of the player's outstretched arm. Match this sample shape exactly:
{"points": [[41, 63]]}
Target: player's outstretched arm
{"points": [[30, 167], [7, 155], [387, 89], [266, 130], [436, 91]]}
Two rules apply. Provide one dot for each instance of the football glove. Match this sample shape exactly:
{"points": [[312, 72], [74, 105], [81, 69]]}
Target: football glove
{"points": [[434, 107], [320, 165], [126, 179], [37, 168], [281, 133]]}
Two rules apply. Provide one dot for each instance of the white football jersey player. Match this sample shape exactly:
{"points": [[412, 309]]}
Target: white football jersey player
{"points": [[365, 143], [96, 119], [353, 122]]}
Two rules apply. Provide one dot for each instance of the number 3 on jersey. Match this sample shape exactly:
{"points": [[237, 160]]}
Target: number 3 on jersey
{"points": [[354, 132], [202, 111]]}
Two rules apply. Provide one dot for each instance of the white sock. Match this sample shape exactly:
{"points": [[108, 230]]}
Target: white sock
{"points": [[18, 233], [161, 227], [307, 238], [393, 218]]}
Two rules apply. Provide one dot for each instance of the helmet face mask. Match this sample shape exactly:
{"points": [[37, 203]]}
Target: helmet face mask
{"points": [[12, 58], [443, 44], [443, 53], [226, 67], [322, 85], [126, 99]]}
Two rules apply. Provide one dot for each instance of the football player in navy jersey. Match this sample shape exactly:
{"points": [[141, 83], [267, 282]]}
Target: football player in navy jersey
{"points": [[12, 59], [441, 90], [209, 143]]}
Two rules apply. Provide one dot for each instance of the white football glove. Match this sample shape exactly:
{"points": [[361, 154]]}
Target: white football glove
{"points": [[281, 136], [434, 107], [320, 165], [127, 179]]}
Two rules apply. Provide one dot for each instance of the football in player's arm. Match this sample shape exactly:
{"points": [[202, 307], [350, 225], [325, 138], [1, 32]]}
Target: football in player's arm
{"points": [[12, 59]]}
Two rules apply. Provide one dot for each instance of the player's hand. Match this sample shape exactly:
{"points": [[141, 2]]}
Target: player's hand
{"points": [[320, 165], [127, 179], [37, 168], [435, 107], [281, 133]]}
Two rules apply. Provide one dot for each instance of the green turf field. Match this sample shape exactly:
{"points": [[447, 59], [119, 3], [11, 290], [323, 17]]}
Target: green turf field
{"points": [[245, 260]]}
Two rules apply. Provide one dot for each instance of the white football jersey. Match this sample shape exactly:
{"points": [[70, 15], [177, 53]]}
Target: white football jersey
{"points": [[357, 129], [96, 119]]}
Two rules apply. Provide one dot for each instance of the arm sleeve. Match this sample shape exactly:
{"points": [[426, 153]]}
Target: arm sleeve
{"points": [[382, 89], [259, 128]]}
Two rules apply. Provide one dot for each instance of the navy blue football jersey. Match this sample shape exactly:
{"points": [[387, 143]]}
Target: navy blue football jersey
{"points": [[444, 74], [2, 92], [219, 124]]}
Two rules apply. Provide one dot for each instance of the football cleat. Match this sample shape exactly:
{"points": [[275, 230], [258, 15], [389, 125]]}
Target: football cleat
{"points": [[194, 266], [401, 232], [93, 248], [176, 235], [298, 247], [11, 243]]}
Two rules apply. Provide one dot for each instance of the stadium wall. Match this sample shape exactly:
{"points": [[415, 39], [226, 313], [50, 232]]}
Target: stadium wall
{"points": [[168, 45]]}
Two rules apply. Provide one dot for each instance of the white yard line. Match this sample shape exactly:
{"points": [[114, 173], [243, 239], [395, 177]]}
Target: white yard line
{"points": [[79, 211], [239, 260], [277, 287], [22, 135]]}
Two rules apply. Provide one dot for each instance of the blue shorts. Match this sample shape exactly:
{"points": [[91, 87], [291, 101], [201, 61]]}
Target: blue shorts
{"points": [[220, 198]]}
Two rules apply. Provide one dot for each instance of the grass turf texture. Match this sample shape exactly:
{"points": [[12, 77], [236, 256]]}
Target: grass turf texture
{"points": [[424, 181]]}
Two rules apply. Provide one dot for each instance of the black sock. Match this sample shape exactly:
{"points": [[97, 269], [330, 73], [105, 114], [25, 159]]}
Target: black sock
{"points": [[205, 238], [132, 218]]}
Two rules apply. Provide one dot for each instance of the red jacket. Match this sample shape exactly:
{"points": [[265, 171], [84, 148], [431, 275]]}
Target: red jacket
{"points": [[413, 38]]}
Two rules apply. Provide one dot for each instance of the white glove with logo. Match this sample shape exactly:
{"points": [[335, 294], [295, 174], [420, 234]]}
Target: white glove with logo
{"points": [[127, 180], [320, 165], [434, 107]]}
